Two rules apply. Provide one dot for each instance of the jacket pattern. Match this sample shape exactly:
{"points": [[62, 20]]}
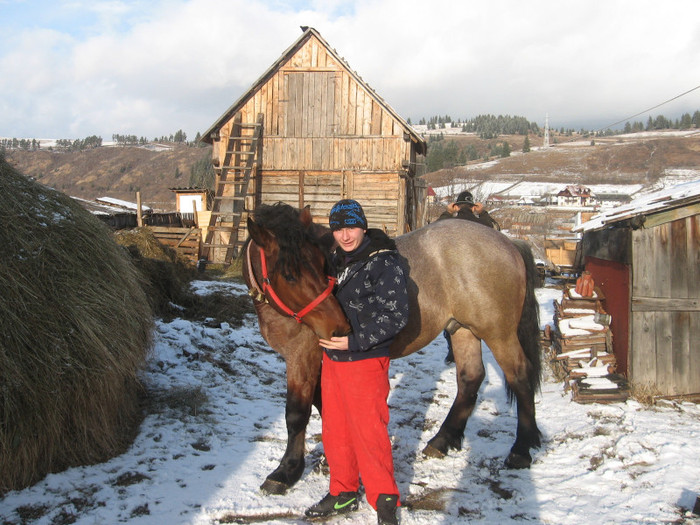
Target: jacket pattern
{"points": [[372, 291]]}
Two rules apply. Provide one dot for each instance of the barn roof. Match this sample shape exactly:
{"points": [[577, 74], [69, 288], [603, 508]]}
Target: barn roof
{"points": [[190, 189], [121, 204], [306, 35], [667, 199]]}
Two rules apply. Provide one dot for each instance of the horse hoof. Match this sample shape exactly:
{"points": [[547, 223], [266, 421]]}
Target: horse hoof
{"points": [[431, 452], [517, 461], [273, 487]]}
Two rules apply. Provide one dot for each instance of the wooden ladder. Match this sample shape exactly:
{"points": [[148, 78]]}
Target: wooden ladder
{"points": [[243, 149]]}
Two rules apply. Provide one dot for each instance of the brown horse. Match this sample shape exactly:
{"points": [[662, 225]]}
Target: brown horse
{"points": [[465, 277]]}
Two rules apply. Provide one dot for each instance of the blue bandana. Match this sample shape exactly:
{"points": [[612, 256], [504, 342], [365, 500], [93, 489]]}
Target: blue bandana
{"points": [[347, 213]]}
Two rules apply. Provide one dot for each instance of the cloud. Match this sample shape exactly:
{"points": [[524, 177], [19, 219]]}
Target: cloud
{"points": [[152, 67]]}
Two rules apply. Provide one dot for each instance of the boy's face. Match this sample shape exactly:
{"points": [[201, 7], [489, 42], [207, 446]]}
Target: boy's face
{"points": [[349, 239]]}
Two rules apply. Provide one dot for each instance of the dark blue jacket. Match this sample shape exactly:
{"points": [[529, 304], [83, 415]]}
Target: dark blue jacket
{"points": [[372, 292]]}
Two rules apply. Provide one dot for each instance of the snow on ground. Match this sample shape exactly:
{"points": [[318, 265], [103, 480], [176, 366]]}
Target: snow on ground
{"points": [[514, 189], [216, 428]]}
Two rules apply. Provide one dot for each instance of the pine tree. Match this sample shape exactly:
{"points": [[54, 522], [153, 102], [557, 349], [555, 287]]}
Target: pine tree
{"points": [[505, 150], [686, 121], [202, 173]]}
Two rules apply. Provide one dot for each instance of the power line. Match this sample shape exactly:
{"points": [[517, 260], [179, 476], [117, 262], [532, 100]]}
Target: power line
{"points": [[646, 110]]}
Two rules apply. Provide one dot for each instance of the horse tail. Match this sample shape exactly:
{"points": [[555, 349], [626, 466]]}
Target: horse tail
{"points": [[529, 325]]}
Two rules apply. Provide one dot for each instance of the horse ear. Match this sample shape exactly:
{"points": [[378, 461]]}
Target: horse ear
{"points": [[327, 242], [305, 216], [260, 235]]}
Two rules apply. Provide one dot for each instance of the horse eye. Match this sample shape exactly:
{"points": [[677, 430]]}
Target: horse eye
{"points": [[289, 278]]}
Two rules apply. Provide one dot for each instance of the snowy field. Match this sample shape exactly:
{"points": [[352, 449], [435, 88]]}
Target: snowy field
{"points": [[216, 429]]}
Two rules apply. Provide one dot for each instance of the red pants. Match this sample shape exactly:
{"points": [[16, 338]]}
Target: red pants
{"points": [[355, 417]]}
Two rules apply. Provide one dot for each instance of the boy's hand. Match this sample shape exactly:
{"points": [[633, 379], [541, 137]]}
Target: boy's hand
{"points": [[335, 343]]}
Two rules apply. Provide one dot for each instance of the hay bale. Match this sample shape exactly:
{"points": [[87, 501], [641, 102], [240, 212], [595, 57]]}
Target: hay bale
{"points": [[166, 274], [75, 328]]}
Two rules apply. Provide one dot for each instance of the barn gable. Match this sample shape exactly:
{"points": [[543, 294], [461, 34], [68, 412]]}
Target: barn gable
{"points": [[311, 67], [325, 135]]}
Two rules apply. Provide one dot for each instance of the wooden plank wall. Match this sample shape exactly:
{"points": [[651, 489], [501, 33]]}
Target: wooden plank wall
{"points": [[382, 197], [380, 194], [318, 117], [666, 306]]}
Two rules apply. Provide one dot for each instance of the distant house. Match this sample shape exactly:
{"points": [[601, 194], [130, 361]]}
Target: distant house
{"points": [[431, 195], [576, 195], [496, 200], [610, 200], [526, 201]]}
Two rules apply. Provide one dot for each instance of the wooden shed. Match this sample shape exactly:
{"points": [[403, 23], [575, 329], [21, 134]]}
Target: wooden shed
{"points": [[645, 257], [310, 131]]}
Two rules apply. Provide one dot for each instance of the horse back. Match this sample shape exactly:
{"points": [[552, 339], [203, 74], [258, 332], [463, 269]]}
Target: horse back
{"points": [[459, 270]]}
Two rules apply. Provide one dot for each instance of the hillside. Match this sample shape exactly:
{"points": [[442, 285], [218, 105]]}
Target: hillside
{"points": [[624, 159], [120, 172], [117, 172]]}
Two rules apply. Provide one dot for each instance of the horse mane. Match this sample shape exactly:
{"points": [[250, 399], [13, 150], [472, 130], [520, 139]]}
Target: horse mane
{"points": [[282, 220]]}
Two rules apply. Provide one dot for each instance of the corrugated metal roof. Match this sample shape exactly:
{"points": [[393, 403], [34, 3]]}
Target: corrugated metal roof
{"points": [[666, 199]]}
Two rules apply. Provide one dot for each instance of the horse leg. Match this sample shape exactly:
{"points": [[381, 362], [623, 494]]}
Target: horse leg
{"points": [[470, 374], [518, 372], [303, 383]]}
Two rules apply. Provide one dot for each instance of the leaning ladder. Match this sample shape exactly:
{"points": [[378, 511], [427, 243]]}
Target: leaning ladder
{"points": [[242, 154]]}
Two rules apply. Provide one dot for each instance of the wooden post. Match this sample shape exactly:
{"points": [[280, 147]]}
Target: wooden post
{"points": [[301, 189], [139, 214], [194, 213]]}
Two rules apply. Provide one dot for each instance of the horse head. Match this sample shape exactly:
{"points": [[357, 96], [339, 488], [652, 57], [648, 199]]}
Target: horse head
{"points": [[293, 268]]}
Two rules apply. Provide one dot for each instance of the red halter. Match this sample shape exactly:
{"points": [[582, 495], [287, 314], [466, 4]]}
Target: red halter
{"points": [[267, 288]]}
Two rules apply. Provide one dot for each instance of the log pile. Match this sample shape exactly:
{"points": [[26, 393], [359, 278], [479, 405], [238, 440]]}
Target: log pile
{"points": [[581, 348]]}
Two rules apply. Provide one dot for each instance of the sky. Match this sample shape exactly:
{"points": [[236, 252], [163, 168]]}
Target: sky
{"points": [[201, 460], [77, 68]]}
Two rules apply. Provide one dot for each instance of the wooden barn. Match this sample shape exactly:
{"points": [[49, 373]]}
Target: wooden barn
{"points": [[645, 257], [309, 132]]}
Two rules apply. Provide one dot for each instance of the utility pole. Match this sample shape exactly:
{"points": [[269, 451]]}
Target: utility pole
{"points": [[546, 131]]}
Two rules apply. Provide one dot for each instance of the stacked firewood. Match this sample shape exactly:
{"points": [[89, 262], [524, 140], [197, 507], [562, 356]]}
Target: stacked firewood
{"points": [[581, 347]]}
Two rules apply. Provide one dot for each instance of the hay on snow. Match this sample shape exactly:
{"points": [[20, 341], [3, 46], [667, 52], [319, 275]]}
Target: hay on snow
{"points": [[75, 327]]}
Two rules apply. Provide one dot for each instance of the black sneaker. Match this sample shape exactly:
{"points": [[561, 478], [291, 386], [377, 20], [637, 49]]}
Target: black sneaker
{"points": [[386, 509], [330, 505]]}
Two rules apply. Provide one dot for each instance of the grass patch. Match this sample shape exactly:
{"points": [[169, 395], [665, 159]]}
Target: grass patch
{"points": [[645, 394]]}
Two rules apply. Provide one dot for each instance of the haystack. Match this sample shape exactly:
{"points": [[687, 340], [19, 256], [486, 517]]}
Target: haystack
{"points": [[75, 326]]}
